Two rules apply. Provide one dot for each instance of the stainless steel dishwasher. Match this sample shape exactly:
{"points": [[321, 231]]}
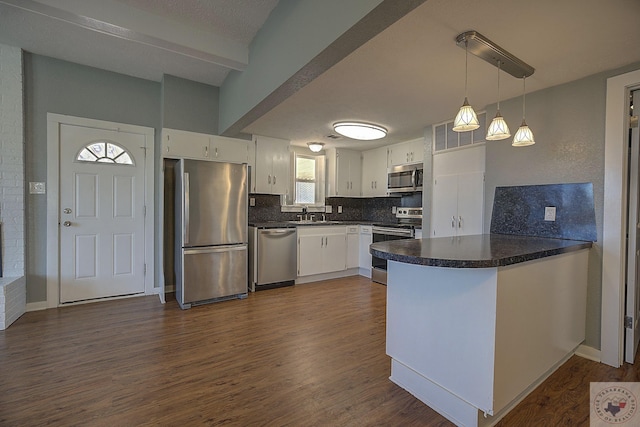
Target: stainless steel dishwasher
{"points": [[272, 257]]}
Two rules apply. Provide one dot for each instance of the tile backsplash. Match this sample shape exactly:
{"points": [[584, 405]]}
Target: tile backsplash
{"points": [[375, 209]]}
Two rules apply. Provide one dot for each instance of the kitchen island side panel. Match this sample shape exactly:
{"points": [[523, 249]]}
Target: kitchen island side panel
{"points": [[541, 320], [441, 324]]}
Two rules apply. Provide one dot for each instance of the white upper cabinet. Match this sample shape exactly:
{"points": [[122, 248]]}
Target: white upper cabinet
{"points": [[223, 149], [272, 165], [374, 172], [406, 152], [180, 144], [344, 172]]}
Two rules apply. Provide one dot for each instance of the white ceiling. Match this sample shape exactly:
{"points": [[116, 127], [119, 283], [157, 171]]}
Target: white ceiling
{"points": [[409, 76]]}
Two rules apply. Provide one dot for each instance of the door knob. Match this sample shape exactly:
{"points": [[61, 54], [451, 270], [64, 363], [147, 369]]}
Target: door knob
{"points": [[67, 223]]}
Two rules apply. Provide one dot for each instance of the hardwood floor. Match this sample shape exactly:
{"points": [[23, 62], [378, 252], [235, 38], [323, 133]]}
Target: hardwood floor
{"points": [[309, 355]]}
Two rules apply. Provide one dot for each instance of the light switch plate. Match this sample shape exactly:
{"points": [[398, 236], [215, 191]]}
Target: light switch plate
{"points": [[550, 213], [37, 188]]}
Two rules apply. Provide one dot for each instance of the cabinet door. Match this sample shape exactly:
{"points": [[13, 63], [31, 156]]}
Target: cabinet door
{"points": [[380, 172], [225, 149], [353, 247], [180, 144], [368, 172], [343, 180], [355, 173], [280, 169], [264, 163], [470, 203], [335, 252], [415, 150], [366, 238], [310, 252], [444, 210], [272, 165]]}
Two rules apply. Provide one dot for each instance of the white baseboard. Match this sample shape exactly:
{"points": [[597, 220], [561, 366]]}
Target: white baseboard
{"points": [[37, 306], [327, 276], [588, 353]]}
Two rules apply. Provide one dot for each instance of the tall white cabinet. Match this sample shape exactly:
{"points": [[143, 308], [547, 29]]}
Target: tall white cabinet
{"points": [[457, 206], [344, 172], [271, 171]]}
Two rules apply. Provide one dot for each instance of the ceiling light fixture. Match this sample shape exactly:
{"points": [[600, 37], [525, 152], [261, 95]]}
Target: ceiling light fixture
{"points": [[362, 131], [524, 136], [498, 128], [315, 146], [466, 119]]}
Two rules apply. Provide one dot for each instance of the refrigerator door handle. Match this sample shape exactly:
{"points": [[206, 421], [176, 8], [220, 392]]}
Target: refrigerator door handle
{"points": [[186, 208], [216, 249]]}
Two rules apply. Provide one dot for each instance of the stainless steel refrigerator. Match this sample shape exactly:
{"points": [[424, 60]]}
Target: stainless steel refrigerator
{"points": [[211, 231]]}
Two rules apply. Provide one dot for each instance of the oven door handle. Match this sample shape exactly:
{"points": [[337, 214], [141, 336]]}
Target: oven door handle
{"points": [[392, 232]]}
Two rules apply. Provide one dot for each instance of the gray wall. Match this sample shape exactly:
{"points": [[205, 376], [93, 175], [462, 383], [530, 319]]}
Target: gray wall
{"points": [[568, 124], [188, 105], [55, 86]]}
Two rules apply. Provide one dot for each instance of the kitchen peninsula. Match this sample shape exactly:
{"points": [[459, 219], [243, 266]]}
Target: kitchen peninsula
{"points": [[474, 323]]}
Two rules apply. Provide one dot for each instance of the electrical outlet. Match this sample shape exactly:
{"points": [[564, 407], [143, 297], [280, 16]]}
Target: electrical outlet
{"points": [[328, 209], [550, 213], [339, 209], [394, 209], [252, 201]]}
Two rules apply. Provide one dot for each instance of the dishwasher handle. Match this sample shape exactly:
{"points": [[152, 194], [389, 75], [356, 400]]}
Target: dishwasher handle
{"points": [[277, 231]]}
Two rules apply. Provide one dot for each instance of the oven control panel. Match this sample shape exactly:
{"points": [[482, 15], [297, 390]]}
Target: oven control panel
{"points": [[409, 213]]}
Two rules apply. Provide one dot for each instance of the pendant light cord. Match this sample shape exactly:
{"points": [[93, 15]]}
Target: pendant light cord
{"points": [[466, 65], [524, 94], [499, 63]]}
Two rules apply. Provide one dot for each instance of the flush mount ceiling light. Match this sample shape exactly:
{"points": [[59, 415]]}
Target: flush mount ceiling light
{"points": [[362, 131], [466, 119], [315, 146], [524, 136], [498, 128]]}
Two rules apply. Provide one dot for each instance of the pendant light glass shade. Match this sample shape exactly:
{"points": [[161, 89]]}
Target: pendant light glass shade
{"points": [[498, 128], [315, 146], [466, 119], [524, 136]]}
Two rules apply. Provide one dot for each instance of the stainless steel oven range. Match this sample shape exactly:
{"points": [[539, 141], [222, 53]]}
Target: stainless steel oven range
{"points": [[408, 219]]}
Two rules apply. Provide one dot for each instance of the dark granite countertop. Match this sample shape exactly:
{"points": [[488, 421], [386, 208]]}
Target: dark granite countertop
{"points": [[478, 251]]}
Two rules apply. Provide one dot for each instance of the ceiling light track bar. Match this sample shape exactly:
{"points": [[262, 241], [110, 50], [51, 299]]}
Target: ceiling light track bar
{"points": [[484, 48]]}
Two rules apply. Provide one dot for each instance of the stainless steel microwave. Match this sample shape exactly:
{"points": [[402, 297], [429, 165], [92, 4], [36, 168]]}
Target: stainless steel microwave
{"points": [[405, 178]]}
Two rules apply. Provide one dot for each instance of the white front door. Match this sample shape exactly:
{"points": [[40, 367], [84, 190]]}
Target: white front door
{"points": [[102, 208], [632, 312]]}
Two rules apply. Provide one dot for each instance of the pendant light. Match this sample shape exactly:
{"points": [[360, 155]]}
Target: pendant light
{"points": [[466, 119], [524, 136], [498, 128]]}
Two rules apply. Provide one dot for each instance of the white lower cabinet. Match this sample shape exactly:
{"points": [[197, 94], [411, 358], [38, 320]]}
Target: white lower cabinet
{"points": [[321, 249], [353, 246], [364, 258]]}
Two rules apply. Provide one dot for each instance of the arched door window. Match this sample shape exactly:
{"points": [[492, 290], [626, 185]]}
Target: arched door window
{"points": [[105, 152]]}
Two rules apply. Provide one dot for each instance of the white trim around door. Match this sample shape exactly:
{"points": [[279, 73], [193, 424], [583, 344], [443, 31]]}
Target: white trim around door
{"points": [[54, 121], [615, 216]]}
